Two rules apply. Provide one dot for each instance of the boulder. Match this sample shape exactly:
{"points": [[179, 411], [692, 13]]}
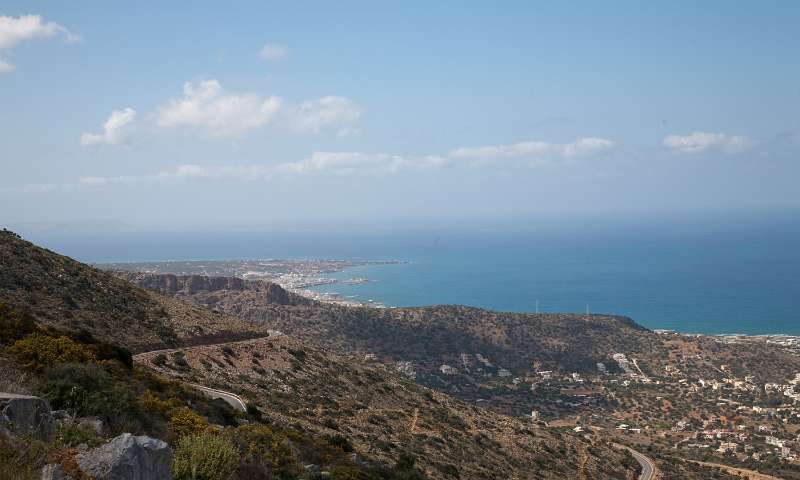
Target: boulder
{"points": [[61, 415], [23, 415], [128, 457], [91, 423], [54, 471]]}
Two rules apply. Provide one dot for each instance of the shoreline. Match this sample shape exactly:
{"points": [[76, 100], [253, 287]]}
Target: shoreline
{"points": [[310, 277]]}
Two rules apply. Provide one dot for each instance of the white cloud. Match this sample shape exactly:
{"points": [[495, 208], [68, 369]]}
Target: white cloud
{"points": [[357, 163], [27, 27], [189, 171], [6, 67], [534, 152], [206, 105], [272, 51], [112, 129], [698, 142], [101, 181], [184, 172], [335, 112], [328, 163]]}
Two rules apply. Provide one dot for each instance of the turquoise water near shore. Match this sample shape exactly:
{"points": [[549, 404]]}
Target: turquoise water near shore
{"points": [[731, 277]]}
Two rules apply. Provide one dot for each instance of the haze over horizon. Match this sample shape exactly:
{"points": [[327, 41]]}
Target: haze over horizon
{"points": [[359, 114]]}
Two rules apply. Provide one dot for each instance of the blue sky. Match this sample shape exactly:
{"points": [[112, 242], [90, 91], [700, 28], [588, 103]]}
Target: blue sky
{"points": [[164, 115]]}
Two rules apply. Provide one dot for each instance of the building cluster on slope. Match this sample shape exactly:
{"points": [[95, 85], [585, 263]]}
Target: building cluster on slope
{"points": [[717, 411]]}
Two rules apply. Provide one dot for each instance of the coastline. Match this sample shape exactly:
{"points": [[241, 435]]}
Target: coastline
{"points": [[367, 283]]}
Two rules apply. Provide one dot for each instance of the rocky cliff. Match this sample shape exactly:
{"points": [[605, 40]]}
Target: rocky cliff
{"points": [[201, 288]]}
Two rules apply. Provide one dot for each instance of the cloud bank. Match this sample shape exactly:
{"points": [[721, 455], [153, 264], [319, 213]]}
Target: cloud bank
{"points": [[534, 152], [358, 163], [699, 142], [353, 164]]}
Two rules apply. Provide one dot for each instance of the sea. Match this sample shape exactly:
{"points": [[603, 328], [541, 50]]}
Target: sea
{"points": [[705, 275]]}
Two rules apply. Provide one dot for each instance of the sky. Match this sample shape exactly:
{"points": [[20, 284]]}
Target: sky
{"points": [[168, 115]]}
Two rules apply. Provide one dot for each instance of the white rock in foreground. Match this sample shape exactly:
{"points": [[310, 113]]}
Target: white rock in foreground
{"points": [[128, 457]]}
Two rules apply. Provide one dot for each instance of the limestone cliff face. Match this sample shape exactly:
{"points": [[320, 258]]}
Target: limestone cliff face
{"points": [[170, 284], [201, 289]]}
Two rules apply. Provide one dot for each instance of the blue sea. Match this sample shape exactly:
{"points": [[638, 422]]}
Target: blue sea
{"points": [[703, 276]]}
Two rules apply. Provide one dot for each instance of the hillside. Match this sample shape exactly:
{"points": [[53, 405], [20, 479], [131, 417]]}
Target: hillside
{"points": [[474, 353], [63, 293], [63, 324], [384, 414], [437, 334]]}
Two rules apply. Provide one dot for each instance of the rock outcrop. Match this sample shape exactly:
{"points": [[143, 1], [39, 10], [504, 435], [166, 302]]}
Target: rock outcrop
{"points": [[54, 471], [23, 415], [171, 284], [128, 457], [201, 289]]}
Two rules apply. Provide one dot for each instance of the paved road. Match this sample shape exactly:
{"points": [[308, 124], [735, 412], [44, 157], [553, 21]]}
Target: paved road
{"points": [[649, 471], [233, 400], [648, 467]]}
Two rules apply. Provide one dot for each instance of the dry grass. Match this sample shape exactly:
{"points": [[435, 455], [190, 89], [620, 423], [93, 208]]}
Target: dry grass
{"points": [[13, 379]]}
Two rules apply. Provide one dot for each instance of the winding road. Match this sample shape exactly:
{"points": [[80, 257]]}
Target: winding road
{"points": [[648, 467], [231, 398], [649, 470]]}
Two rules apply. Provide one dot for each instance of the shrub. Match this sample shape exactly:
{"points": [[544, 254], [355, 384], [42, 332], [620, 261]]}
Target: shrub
{"points": [[160, 360], [205, 456], [298, 354], [228, 351], [37, 352], [14, 325], [405, 468], [341, 442], [267, 450], [449, 470], [253, 411], [352, 473], [184, 422], [22, 463], [90, 390], [151, 403], [102, 350], [180, 359], [71, 434]]}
